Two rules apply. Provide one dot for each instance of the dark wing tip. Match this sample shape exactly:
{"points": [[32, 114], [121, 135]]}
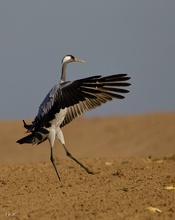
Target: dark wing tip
{"points": [[25, 125], [19, 141]]}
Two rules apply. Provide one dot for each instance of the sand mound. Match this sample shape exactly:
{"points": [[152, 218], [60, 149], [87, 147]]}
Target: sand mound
{"points": [[124, 136], [130, 156]]}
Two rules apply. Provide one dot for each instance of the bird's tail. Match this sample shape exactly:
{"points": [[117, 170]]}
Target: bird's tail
{"points": [[35, 137]]}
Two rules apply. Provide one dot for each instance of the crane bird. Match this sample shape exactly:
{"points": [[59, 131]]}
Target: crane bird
{"points": [[67, 101]]}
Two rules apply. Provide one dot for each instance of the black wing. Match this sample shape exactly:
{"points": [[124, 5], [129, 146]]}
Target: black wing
{"points": [[79, 96], [88, 93]]}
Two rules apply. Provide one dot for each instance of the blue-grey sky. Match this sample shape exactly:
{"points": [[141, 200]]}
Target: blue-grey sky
{"points": [[120, 36]]}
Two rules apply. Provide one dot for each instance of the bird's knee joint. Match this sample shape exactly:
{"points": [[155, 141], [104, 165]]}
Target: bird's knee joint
{"points": [[68, 154], [52, 159]]}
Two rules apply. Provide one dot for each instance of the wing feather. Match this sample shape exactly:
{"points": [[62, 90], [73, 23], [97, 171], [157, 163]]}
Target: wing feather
{"points": [[88, 93], [78, 97]]}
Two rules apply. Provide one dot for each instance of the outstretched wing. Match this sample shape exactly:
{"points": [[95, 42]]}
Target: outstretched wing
{"points": [[77, 97], [88, 93]]}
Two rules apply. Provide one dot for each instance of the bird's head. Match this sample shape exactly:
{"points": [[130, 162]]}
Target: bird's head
{"points": [[69, 58]]}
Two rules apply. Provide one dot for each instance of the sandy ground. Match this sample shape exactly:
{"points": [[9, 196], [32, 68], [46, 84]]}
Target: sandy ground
{"points": [[132, 158]]}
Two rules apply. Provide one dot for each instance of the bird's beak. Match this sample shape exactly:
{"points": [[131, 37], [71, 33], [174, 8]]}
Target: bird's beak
{"points": [[78, 60]]}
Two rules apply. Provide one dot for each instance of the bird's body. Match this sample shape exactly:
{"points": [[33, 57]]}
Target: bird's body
{"points": [[67, 101]]}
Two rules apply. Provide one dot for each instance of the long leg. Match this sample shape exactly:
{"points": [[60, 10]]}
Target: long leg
{"points": [[60, 137], [73, 158], [52, 160]]}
